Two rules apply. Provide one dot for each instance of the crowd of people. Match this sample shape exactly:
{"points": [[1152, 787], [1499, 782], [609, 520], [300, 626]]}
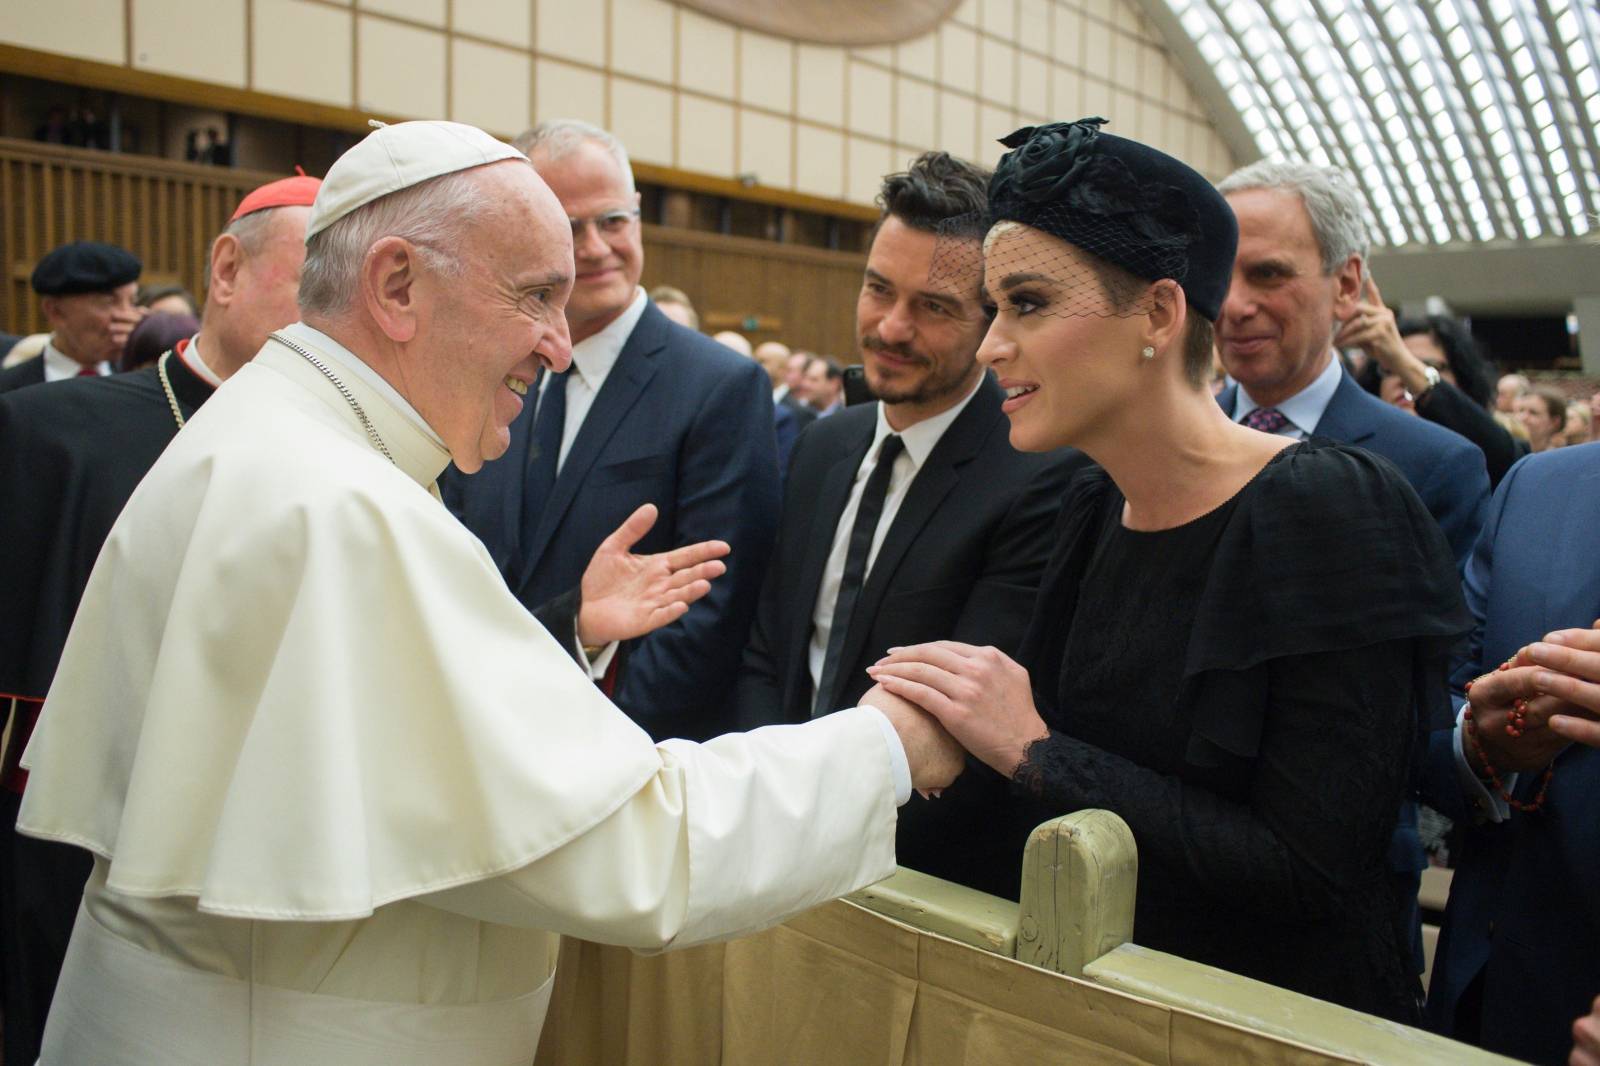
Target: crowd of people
{"points": [[694, 643]]}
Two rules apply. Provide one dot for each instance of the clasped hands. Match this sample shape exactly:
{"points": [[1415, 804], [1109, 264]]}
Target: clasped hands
{"points": [[979, 699], [1559, 678], [626, 595]]}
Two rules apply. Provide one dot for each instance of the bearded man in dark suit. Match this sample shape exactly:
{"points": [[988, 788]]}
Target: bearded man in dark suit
{"points": [[912, 518]]}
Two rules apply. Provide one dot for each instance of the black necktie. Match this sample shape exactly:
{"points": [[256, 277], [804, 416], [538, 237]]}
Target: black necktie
{"points": [[546, 449], [855, 568]]}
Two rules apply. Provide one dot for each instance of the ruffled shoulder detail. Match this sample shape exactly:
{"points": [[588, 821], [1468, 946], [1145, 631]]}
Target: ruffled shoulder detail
{"points": [[1328, 549]]}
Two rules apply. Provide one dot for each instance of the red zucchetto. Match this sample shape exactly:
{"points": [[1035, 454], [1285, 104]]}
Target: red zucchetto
{"points": [[298, 191]]}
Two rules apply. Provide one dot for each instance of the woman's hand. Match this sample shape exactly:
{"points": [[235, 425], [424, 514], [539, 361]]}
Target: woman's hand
{"points": [[627, 595], [980, 695]]}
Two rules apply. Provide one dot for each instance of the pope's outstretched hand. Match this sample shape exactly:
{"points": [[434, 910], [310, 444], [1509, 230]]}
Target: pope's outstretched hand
{"points": [[627, 595], [936, 759]]}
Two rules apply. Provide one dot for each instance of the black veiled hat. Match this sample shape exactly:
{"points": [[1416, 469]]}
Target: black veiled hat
{"points": [[1122, 201], [84, 266]]}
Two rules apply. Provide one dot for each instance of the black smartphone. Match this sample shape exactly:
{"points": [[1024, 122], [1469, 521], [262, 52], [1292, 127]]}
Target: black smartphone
{"points": [[855, 386]]}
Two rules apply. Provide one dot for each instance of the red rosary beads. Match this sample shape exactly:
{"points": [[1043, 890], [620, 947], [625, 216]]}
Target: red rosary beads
{"points": [[1516, 725]]}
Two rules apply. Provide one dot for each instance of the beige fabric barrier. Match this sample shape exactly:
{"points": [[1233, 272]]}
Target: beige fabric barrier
{"points": [[842, 986]]}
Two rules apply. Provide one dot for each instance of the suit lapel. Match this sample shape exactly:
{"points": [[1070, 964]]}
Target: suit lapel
{"points": [[627, 381], [832, 496], [939, 474], [1343, 419]]}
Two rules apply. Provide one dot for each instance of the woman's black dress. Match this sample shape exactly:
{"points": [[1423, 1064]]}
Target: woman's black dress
{"points": [[1247, 692]]}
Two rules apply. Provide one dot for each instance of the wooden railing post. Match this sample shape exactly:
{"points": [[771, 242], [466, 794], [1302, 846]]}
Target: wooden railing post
{"points": [[1079, 874]]}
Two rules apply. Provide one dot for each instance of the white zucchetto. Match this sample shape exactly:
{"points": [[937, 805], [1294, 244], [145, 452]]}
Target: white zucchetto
{"points": [[397, 157]]}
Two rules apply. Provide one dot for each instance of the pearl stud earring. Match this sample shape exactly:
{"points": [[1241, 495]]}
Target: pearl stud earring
{"points": [[1147, 352]]}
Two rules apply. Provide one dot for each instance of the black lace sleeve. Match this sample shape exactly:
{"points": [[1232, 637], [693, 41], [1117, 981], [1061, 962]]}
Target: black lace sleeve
{"points": [[1315, 814]]}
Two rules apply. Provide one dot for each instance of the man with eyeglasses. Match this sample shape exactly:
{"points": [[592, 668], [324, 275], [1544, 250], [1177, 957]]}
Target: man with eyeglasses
{"points": [[650, 412]]}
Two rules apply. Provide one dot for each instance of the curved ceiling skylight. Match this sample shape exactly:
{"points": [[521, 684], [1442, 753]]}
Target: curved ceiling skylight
{"points": [[1460, 120]]}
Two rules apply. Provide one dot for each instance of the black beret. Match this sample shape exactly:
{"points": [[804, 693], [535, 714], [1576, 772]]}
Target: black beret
{"points": [[1122, 201], [85, 266]]}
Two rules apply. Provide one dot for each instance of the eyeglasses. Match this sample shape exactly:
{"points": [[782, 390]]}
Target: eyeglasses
{"points": [[607, 224]]}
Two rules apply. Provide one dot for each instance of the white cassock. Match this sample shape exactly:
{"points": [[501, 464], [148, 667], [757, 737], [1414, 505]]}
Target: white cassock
{"points": [[344, 791]]}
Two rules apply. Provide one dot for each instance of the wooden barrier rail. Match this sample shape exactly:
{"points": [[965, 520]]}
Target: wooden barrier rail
{"points": [[921, 972]]}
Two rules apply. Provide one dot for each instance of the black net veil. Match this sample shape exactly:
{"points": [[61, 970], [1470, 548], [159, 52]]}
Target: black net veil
{"points": [[1033, 270], [1070, 229]]}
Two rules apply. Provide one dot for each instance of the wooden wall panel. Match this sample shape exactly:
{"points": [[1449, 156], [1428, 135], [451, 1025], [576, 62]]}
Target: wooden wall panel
{"points": [[805, 297], [168, 213]]}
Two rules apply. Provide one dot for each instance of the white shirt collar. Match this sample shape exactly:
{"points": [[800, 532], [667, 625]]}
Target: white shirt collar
{"points": [[195, 360], [58, 366], [593, 357], [354, 363], [921, 438], [1305, 408]]}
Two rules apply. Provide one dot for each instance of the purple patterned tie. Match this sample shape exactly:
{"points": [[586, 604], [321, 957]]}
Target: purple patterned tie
{"points": [[1266, 419]]}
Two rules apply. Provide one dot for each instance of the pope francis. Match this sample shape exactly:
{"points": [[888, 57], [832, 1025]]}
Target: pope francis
{"points": [[342, 790]]}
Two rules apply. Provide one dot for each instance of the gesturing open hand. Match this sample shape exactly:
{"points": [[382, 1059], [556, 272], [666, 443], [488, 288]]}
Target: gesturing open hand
{"points": [[981, 695], [627, 595]]}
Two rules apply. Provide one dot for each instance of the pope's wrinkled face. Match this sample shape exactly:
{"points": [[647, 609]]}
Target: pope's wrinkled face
{"points": [[602, 214], [488, 322]]}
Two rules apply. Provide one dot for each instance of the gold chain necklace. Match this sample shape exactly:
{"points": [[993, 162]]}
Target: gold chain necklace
{"points": [[166, 387]]}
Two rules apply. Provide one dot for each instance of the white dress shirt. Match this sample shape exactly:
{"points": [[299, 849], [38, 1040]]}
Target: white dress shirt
{"points": [[592, 360], [919, 441], [1304, 409], [1489, 805], [59, 366]]}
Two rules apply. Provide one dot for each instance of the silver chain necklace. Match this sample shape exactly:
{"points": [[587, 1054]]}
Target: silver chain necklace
{"points": [[366, 423]]}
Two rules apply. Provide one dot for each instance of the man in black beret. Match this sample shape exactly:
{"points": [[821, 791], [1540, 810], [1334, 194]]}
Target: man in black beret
{"points": [[87, 291]]}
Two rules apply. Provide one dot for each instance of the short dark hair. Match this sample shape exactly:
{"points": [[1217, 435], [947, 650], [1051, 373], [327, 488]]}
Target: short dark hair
{"points": [[1473, 372], [1125, 289], [937, 192], [835, 371]]}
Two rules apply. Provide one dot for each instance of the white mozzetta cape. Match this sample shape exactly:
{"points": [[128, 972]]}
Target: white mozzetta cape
{"points": [[318, 745]]}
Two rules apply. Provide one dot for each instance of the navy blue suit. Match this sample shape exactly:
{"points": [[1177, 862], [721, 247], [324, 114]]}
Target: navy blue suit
{"points": [[1519, 953], [685, 424], [1444, 468]]}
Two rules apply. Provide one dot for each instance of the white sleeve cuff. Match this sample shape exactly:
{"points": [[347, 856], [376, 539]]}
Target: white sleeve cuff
{"points": [[899, 768], [598, 666], [1487, 803]]}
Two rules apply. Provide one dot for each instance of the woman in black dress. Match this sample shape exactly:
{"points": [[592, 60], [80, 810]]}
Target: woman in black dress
{"points": [[1235, 641]]}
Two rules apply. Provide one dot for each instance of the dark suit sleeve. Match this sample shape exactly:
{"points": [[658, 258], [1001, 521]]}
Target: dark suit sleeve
{"points": [[679, 678], [1441, 787], [1457, 495], [1448, 406], [560, 617], [1001, 602], [758, 695]]}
